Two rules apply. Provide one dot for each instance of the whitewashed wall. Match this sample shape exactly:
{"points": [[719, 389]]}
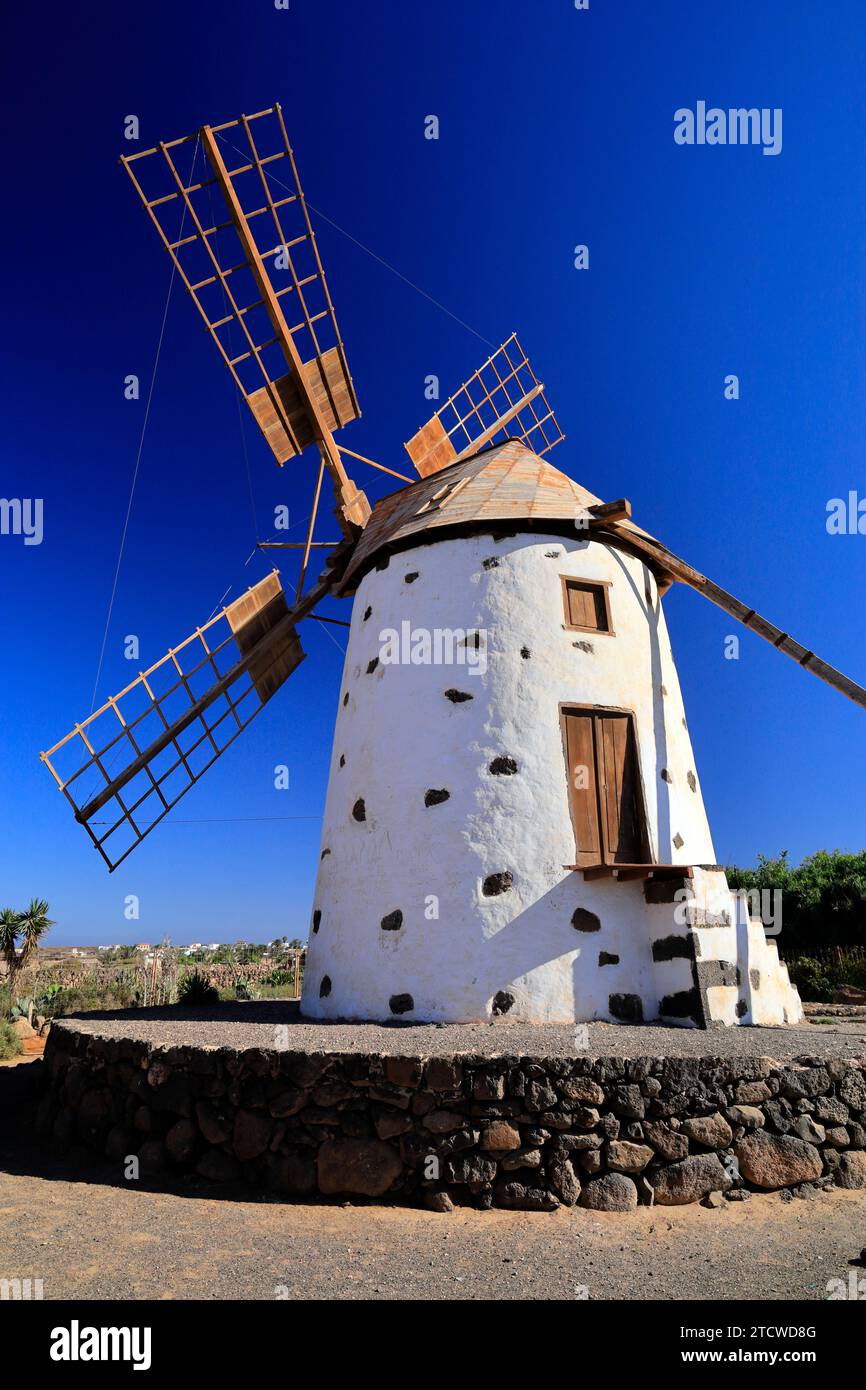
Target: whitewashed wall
{"points": [[398, 736]]}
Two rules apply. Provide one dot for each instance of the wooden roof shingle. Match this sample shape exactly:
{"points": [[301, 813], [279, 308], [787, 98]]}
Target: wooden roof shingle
{"points": [[506, 485]]}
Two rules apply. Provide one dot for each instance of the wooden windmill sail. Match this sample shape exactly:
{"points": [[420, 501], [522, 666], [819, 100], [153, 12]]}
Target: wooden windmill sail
{"points": [[503, 395], [240, 237], [280, 342]]}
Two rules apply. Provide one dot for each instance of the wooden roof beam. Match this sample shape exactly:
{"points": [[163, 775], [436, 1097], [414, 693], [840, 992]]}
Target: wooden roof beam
{"points": [[782, 641]]}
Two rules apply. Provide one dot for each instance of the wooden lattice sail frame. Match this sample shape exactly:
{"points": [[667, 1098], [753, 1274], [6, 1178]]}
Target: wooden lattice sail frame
{"points": [[503, 398], [280, 341], [152, 741]]}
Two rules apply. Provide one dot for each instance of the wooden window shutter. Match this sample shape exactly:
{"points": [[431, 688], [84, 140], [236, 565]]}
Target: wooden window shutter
{"points": [[587, 607]]}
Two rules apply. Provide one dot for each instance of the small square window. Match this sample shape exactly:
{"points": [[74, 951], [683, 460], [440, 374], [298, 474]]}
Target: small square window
{"points": [[587, 605]]}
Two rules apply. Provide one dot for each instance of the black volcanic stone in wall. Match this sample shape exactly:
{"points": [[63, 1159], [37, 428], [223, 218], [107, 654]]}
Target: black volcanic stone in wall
{"points": [[494, 884], [664, 890], [626, 1007], [584, 920], [674, 947], [716, 972], [685, 1004], [707, 974], [434, 796], [524, 1132]]}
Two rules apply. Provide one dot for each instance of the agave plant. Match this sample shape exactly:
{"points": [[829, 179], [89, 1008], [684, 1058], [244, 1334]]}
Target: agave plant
{"points": [[196, 990]]}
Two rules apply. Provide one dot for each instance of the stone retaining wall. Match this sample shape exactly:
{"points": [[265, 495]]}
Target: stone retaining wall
{"points": [[530, 1133]]}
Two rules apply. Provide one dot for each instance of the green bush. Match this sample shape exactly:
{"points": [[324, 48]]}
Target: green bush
{"points": [[823, 898], [10, 1043], [817, 977], [855, 973], [195, 990], [91, 998], [279, 978], [275, 992], [812, 978]]}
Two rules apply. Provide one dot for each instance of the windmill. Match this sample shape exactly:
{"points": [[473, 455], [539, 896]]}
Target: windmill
{"points": [[514, 824]]}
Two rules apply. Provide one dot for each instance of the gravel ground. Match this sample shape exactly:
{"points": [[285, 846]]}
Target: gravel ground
{"points": [[95, 1239], [253, 1025]]}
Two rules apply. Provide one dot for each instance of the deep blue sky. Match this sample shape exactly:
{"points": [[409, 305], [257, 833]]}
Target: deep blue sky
{"points": [[556, 128]]}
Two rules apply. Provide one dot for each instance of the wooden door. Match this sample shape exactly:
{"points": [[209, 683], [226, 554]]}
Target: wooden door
{"points": [[623, 833], [583, 786], [604, 784]]}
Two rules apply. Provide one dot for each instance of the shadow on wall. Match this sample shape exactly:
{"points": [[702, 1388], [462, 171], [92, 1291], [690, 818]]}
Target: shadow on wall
{"points": [[582, 955], [661, 830]]}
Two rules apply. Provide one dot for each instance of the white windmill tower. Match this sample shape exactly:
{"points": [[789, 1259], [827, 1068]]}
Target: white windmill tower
{"points": [[514, 825]]}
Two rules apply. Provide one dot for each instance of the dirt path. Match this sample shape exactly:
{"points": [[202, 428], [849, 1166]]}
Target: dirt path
{"points": [[93, 1241], [31, 1048]]}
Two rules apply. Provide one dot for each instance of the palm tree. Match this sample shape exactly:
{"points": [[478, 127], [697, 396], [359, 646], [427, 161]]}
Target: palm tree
{"points": [[32, 924]]}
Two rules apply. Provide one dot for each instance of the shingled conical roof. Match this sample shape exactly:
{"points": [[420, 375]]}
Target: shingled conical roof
{"points": [[505, 486]]}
